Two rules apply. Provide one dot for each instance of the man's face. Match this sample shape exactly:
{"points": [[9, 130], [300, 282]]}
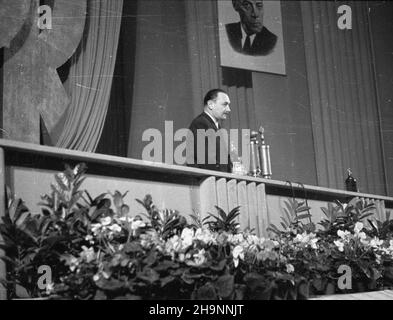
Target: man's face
{"points": [[220, 106], [251, 14]]}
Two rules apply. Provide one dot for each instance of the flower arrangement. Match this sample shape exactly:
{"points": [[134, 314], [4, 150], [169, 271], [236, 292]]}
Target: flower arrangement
{"points": [[96, 249]]}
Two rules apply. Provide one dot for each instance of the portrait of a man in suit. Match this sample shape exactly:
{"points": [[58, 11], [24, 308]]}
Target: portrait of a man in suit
{"points": [[249, 36]]}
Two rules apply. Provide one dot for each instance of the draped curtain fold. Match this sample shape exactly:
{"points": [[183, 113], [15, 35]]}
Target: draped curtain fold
{"points": [[91, 75], [343, 99], [162, 88], [204, 52], [202, 41], [177, 61]]}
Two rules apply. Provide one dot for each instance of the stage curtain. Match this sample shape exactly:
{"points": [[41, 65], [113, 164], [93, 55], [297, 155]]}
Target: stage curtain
{"points": [[207, 73], [162, 75], [177, 61], [91, 75], [344, 110], [203, 49]]}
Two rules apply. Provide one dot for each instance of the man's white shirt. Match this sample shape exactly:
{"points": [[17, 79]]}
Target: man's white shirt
{"points": [[244, 36]]}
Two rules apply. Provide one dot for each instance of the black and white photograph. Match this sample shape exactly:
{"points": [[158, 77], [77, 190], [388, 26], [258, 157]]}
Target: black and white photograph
{"points": [[173, 152], [251, 35]]}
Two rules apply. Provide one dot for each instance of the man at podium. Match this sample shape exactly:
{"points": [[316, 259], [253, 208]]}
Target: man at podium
{"points": [[210, 142]]}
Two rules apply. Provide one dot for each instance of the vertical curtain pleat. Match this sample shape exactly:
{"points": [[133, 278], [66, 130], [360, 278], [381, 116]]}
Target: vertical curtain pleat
{"points": [[206, 73], [343, 99], [238, 84], [202, 47], [162, 78], [91, 77]]}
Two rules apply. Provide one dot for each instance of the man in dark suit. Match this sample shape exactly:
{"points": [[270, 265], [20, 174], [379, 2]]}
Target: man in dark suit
{"points": [[249, 36], [209, 141]]}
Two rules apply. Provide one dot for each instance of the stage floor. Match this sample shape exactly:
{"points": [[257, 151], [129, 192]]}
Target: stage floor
{"points": [[373, 295]]}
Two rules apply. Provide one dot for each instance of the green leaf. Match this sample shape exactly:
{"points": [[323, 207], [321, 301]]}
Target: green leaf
{"points": [[110, 284], [148, 275], [221, 213], [117, 199], [62, 181], [21, 292], [326, 212], [303, 290], [132, 247], [225, 286], [165, 265], [164, 281], [304, 216], [125, 209], [219, 266], [375, 273], [330, 288], [318, 284], [151, 258], [302, 209], [206, 292]]}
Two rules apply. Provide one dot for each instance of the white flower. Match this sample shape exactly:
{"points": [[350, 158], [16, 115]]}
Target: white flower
{"points": [[343, 234], [375, 242], [307, 239], [187, 237], [95, 227], [106, 221], [96, 277], [115, 228], [205, 236], [199, 257], [253, 240], [290, 268], [361, 236], [73, 263], [276, 243], [50, 287], [173, 244], [136, 224], [236, 239], [340, 245], [358, 227], [88, 254], [313, 243], [238, 252], [269, 244]]}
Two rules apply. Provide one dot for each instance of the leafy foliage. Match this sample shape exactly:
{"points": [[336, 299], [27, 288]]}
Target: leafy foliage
{"points": [[97, 249], [166, 222], [345, 216], [293, 220], [224, 222]]}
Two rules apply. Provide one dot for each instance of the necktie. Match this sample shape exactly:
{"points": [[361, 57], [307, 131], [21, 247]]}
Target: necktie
{"points": [[247, 45]]}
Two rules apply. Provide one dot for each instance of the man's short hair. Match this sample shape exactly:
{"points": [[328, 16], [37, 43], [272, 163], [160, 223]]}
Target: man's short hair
{"points": [[235, 4], [211, 95]]}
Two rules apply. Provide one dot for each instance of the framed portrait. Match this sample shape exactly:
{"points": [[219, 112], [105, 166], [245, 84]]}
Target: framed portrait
{"points": [[250, 35]]}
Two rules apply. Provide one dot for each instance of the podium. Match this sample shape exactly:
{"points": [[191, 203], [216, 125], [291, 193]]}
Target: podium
{"points": [[28, 169]]}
